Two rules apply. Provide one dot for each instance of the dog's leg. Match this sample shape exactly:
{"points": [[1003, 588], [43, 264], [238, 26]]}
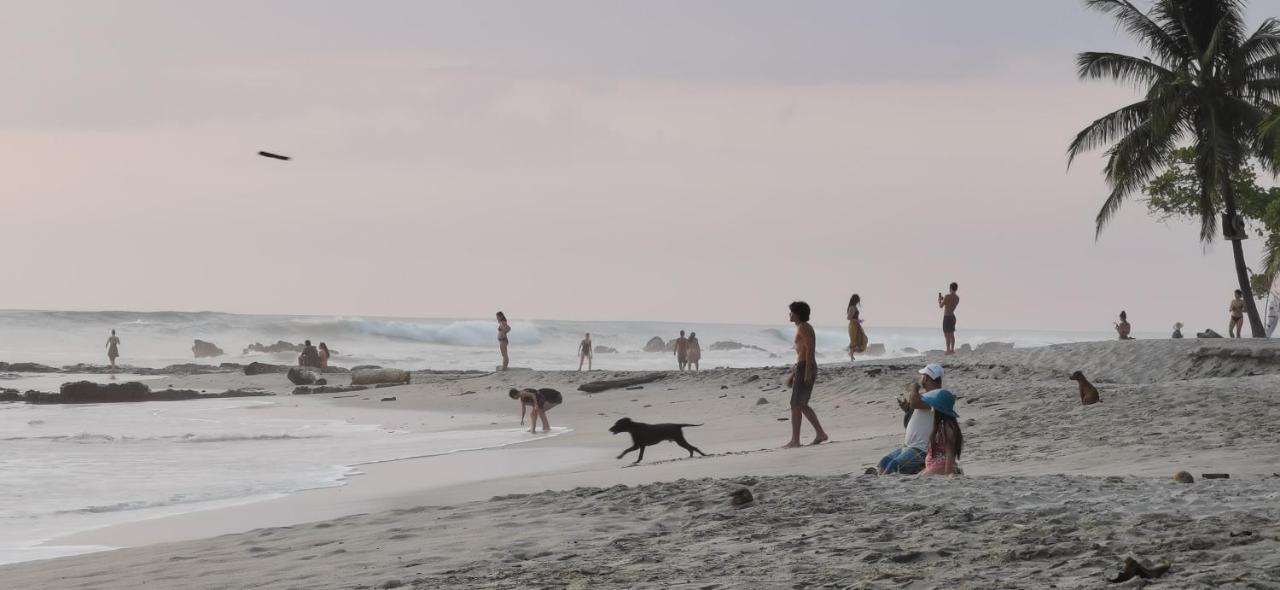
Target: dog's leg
{"points": [[641, 457], [633, 447], [688, 447]]}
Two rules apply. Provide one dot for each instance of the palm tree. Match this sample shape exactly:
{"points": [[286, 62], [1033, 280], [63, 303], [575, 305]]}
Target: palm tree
{"points": [[1209, 86]]}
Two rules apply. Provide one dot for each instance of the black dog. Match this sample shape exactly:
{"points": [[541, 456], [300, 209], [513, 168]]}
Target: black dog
{"points": [[644, 435]]}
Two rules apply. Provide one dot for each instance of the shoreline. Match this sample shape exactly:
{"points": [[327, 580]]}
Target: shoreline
{"points": [[565, 507]]}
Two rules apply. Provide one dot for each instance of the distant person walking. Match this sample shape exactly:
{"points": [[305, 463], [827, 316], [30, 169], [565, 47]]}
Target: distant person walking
{"points": [[682, 350], [695, 351], [1237, 315], [310, 357], [113, 349], [503, 329], [948, 303], [584, 352], [803, 376], [857, 337], [1123, 328], [324, 355]]}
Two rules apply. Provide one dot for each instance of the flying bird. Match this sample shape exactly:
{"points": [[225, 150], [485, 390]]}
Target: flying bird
{"points": [[276, 156]]}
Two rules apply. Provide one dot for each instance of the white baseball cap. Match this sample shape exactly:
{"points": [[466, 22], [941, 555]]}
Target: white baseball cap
{"points": [[933, 370]]}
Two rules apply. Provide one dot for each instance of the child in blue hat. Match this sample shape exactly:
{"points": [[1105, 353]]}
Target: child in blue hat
{"points": [[946, 442]]}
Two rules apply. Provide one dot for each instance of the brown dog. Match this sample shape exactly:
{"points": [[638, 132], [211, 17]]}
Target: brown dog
{"points": [[1088, 393]]}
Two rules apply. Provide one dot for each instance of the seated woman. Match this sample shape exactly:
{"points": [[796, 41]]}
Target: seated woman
{"points": [[541, 401], [946, 442]]}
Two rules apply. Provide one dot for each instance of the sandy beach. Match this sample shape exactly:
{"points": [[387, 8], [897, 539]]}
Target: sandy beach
{"points": [[1057, 494]]}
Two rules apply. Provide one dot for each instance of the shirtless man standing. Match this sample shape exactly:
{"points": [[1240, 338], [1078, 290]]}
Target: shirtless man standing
{"points": [[1237, 315], [803, 376], [682, 350], [948, 304]]}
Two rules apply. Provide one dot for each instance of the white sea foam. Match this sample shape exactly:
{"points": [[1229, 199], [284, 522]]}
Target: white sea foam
{"points": [[78, 467]]}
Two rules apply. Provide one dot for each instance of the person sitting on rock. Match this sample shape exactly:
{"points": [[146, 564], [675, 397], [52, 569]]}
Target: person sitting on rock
{"points": [[310, 357]]}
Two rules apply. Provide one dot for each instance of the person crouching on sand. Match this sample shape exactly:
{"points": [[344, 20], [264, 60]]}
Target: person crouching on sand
{"points": [[803, 376], [503, 329], [1123, 328], [945, 442], [541, 401], [909, 459], [584, 352]]}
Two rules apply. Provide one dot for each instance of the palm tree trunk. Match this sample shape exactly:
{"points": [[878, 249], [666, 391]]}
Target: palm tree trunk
{"points": [[1242, 270]]}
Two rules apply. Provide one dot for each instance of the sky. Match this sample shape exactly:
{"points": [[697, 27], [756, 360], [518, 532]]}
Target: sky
{"points": [[586, 160]]}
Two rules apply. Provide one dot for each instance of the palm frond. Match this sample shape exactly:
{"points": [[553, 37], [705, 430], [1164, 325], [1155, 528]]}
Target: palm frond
{"points": [[1092, 65], [1110, 128], [1263, 43], [1132, 161], [1165, 47]]}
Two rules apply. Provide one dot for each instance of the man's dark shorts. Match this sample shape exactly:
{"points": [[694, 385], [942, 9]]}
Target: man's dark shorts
{"points": [[948, 323], [800, 391]]}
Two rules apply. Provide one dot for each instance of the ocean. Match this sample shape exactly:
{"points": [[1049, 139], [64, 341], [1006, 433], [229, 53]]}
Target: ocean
{"points": [[158, 339]]}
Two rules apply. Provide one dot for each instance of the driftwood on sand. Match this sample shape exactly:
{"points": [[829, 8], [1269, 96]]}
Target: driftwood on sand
{"points": [[598, 386]]}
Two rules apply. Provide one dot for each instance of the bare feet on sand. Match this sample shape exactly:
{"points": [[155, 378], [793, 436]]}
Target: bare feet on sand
{"points": [[821, 438], [795, 444]]}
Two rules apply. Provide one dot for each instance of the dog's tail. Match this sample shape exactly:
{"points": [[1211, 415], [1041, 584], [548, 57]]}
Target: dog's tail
{"points": [[688, 425]]}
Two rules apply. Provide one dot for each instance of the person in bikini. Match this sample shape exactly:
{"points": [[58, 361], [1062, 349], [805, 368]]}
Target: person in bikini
{"points": [[948, 303], [584, 352], [803, 376], [503, 329], [1237, 315]]}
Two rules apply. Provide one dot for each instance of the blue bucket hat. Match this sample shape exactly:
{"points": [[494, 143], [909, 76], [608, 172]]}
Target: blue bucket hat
{"points": [[941, 400]]}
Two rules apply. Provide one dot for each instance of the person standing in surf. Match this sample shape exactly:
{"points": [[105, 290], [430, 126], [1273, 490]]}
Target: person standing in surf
{"points": [[113, 349], [503, 329], [803, 376], [324, 355], [584, 352], [682, 351], [949, 303], [857, 338]]}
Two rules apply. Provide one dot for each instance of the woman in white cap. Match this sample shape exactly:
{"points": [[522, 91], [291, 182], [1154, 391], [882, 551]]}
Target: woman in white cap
{"points": [[946, 442]]}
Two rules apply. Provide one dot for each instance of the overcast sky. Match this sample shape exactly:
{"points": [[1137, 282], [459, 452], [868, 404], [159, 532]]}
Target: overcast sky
{"points": [[656, 160]]}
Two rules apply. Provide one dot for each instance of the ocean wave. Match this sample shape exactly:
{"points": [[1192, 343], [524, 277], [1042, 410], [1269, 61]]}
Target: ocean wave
{"points": [[92, 438]]}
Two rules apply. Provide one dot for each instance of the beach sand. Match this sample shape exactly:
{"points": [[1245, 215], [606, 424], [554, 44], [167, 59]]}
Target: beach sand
{"points": [[1057, 494]]}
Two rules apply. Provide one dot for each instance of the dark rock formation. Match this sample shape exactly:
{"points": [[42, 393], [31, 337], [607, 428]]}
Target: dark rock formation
{"points": [[204, 350], [279, 346], [264, 369], [655, 344], [303, 376], [27, 368], [327, 389], [1204, 334], [87, 392], [598, 386], [731, 345]]}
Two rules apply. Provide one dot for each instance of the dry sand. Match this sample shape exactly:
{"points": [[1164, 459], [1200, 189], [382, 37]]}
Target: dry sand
{"points": [[1057, 495]]}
